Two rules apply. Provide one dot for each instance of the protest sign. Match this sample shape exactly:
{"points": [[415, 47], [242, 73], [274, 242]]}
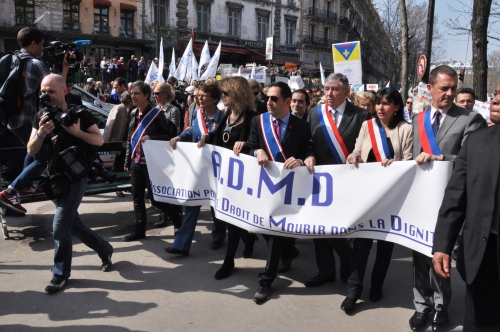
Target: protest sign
{"points": [[398, 203], [347, 60], [483, 109]]}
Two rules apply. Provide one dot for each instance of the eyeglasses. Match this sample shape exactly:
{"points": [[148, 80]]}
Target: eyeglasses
{"points": [[224, 94], [255, 93], [156, 93], [409, 102], [274, 99]]}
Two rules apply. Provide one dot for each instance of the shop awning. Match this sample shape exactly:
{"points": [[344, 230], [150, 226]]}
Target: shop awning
{"points": [[124, 6], [105, 3]]}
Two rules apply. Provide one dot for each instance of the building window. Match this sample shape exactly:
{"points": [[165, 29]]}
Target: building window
{"points": [[162, 11], [127, 22], [234, 23], [25, 12], [311, 31], [326, 35], [290, 32], [101, 19], [203, 17], [71, 15], [262, 27]]}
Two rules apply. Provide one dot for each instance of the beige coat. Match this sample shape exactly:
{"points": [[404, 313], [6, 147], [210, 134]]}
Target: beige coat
{"points": [[401, 140], [116, 125]]}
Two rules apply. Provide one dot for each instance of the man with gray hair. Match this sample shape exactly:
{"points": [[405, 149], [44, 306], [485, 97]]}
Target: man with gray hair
{"points": [[347, 120]]}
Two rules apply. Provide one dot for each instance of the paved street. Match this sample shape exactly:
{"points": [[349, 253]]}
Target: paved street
{"points": [[149, 290]]}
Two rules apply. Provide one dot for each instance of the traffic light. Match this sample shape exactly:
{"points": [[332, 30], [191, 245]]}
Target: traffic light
{"points": [[461, 75]]}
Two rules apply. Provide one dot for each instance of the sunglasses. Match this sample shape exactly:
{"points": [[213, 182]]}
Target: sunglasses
{"points": [[273, 98], [256, 93], [156, 93], [224, 94]]}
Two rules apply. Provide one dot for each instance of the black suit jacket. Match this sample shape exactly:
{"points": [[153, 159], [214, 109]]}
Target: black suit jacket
{"points": [[295, 143], [349, 129], [471, 195]]}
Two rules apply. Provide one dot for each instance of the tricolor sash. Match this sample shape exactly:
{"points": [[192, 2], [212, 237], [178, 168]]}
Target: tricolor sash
{"points": [[427, 138], [271, 139], [379, 140], [199, 124], [332, 135], [141, 128]]}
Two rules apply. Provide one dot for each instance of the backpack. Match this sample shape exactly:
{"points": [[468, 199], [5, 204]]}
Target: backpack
{"points": [[12, 84]]}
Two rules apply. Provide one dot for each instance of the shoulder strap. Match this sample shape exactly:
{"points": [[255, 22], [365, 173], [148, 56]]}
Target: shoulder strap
{"points": [[55, 154]]}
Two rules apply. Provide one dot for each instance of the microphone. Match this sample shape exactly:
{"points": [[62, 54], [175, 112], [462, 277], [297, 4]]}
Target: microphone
{"points": [[83, 43]]}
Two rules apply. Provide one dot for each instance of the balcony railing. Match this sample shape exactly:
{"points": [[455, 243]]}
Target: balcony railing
{"points": [[321, 13], [345, 22], [318, 41]]}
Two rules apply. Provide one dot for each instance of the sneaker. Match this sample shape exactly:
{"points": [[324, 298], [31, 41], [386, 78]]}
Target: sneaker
{"points": [[55, 285], [11, 202], [30, 191]]}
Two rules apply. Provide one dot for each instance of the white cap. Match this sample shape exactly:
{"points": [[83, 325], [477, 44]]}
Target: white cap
{"points": [[190, 88]]}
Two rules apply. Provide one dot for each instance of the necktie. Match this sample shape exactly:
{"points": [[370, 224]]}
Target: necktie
{"points": [[437, 122], [277, 128], [334, 115]]}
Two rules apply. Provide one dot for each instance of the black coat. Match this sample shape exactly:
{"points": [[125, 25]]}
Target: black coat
{"points": [[160, 129], [349, 129], [471, 195], [296, 142]]}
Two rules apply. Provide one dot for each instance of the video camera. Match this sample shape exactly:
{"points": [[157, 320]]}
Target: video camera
{"points": [[53, 55], [57, 115]]}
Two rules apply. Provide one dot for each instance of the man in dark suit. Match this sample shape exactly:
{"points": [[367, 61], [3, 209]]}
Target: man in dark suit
{"points": [[300, 104], [72, 98], [294, 136], [348, 118], [450, 125], [472, 194]]}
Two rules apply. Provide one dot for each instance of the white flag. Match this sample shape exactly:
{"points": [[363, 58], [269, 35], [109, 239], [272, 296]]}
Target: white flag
{"points": [[180, 73], [194, 69], [171, 68], [152, 73], [252, 74], [160, 63], [212, 66], [322, 73], [388, 84], [204, 57], [239, 72]]}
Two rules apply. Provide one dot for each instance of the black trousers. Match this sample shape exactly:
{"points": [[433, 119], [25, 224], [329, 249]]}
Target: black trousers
{"points": [[482, 296], [325, 258], [360, 254], [234, 234], [140, 181], [277, 246]]}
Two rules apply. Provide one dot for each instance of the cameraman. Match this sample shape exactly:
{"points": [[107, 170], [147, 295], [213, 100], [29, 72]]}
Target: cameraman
{"points": [[66, 221]]}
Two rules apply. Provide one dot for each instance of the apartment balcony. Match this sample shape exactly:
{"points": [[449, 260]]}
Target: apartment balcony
{"points": [[344, 21], [318, 41], [322, 14]]}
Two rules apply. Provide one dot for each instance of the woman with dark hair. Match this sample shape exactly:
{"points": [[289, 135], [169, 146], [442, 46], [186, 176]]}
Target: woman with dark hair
{"points": [[232, 134], [385, 138]]}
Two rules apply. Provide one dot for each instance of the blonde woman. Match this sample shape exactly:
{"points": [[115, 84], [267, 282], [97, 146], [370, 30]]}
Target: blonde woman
{"points": [[365, 100], [164, 94]]}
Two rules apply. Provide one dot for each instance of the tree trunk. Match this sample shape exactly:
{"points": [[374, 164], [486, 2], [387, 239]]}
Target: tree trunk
{"points": [[404, 48], [479, 26]]}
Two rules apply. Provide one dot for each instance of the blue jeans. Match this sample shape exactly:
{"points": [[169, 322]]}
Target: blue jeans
{"points": [[67, 223]]}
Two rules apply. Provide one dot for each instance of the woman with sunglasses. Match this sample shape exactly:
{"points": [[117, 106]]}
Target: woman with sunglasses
{"points": [[385, 138], [232, 134], [205, 123]]}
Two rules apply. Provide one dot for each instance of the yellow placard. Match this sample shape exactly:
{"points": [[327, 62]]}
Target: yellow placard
{"points": [[346, 52]]}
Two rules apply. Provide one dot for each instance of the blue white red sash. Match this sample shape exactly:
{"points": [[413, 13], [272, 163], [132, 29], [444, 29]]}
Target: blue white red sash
{"points": [[199, 123], [332, 135], [141, 128], [379, 140], [271, 139], [427, 138]]}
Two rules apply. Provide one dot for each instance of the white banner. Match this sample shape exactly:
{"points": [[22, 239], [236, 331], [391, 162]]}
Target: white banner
{"points": [[398, 203], [211, 70], [482, 108], [259, 75], [152, 73]]}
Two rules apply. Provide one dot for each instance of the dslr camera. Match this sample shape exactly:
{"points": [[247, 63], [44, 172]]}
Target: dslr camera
{"points": [[57, 115], [53, 55], [98, 169]]}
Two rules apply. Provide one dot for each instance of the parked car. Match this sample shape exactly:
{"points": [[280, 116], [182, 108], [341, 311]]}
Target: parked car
{"points": [[88, 98]]}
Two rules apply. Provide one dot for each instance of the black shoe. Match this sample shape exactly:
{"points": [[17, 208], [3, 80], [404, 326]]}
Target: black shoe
{"points": [[286, 264], [176, 230], [440, 320], [216, 245], [318, 281], [224, 271], [263, 294], [375, 294], [106, 263], [119, 193], [418, 321], [162, 222], [55, 285], [134, 236], [344, 272], [348, 305], [174, 251]]}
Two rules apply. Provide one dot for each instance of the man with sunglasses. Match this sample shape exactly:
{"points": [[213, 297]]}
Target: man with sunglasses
{"points": [[260, 106], [72, 98], [347, 120], [294, 137]]}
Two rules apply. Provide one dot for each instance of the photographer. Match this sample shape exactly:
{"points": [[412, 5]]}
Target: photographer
{"points": [[48, 133]]}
